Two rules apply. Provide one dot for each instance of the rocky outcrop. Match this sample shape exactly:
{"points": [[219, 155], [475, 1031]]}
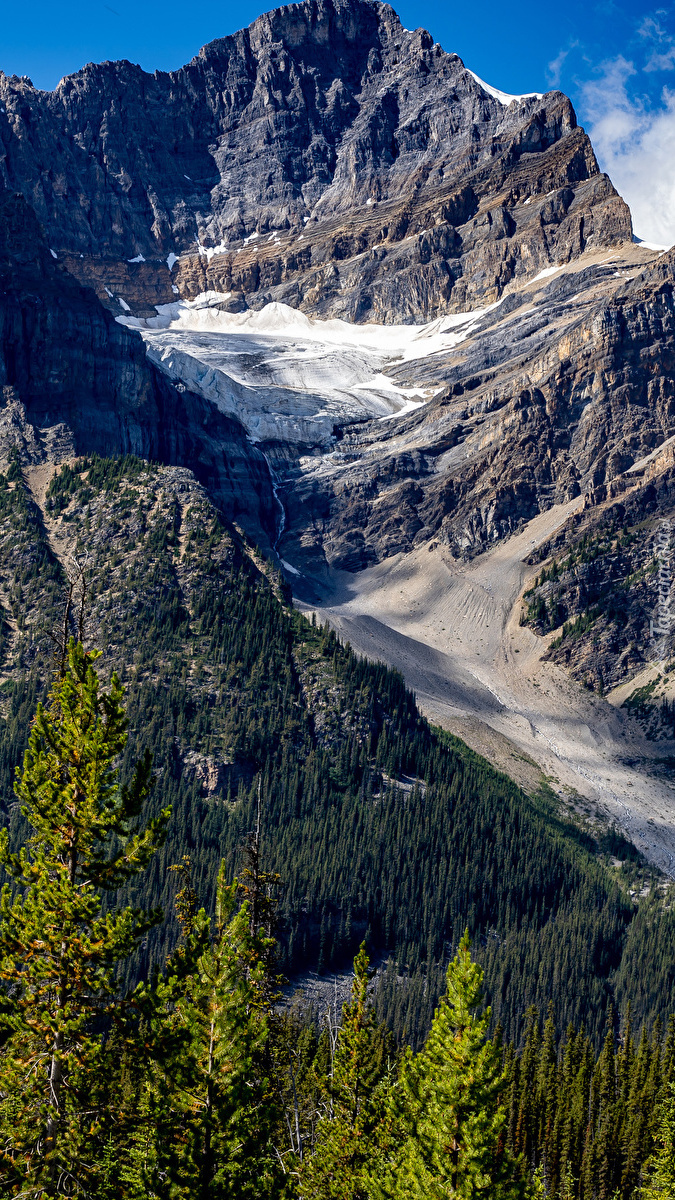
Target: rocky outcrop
{"points": [[329, 160], [324, 157], [381, 183], [561, 390]]}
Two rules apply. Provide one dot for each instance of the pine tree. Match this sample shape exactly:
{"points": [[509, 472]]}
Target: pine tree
{"points": [[660, 1170], [208, 1099], [349, 1130], [450, 1100], [58, 944]]}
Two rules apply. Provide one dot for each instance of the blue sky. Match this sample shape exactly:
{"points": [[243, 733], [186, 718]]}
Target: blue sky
{"points": [[616, 59]]}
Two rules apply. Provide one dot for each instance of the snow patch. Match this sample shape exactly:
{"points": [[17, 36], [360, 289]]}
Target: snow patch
{"points": [[651, 245], [53, 253], [124, 304], [286, 375], [171, 260], [289, 567], [108, 292], [504, 97], [174, 289], [402, 343], [251, 237], [138, 258], [208, 252], [547, 271]]}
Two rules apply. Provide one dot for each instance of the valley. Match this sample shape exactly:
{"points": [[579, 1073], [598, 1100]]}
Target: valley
{"points": [[337, 503], [450, 623], [453, 630]]}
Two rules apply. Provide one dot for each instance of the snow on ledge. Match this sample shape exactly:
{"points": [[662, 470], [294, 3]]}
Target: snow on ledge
{"points": [[504, 97], [547, 271], [400, 342], [208, 252], [316, 371]]}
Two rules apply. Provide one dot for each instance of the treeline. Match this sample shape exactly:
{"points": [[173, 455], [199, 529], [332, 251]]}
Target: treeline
{"points": [[379, 826], [198, 1085]]}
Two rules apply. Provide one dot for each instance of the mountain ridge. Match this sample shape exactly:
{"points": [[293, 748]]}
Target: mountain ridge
{"points": [[263, 133], [330, 163]]}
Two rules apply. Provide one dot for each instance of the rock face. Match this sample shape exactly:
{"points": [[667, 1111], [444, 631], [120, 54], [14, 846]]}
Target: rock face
{"points": [[68, 362], [324, 157], [557, 392], [328, 160]]}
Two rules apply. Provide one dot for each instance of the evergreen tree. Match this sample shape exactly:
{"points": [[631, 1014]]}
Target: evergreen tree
{"points": [[660, 1173], [351, 1125], [58, 944], [450, 1103], [209, 1101]]}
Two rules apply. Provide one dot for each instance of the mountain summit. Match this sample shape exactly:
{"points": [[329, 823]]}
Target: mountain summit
{"points": [[395, 323], [325, 157]]}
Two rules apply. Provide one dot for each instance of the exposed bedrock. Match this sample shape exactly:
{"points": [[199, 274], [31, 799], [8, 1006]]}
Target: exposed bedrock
{"points": [[325, 157], [70, 362], [558, 392], [330, 160]]}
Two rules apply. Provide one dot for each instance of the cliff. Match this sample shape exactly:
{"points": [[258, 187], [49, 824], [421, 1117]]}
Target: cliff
{"points": [[325, 157]]}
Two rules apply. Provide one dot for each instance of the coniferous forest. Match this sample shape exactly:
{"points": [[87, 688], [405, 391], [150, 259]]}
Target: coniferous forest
{"points": [[215, 795]]}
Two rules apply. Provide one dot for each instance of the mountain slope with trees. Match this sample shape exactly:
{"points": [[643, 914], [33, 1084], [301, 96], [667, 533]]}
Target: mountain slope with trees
{"points": [[196, 1085], [376, 824]]}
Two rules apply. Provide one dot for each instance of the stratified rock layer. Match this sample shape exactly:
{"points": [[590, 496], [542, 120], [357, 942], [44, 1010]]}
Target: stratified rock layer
{"points": [[325, 157], [559, 391]]}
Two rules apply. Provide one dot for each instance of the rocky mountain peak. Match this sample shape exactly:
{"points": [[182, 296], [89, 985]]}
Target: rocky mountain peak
{"points": [[307, 159], [498, 389]]}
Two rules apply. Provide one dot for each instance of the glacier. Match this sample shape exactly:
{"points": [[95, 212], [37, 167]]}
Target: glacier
{"points": [[286, 376]]}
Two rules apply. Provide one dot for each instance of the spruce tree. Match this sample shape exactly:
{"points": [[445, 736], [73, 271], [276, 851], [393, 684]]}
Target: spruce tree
{"points": [[59, 944], [660, 1172], [208, 1100], [450, 1102], [350, 1128]]}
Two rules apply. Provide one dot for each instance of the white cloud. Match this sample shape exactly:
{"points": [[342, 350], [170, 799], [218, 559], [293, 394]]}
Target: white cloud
{"points": [[635, 144], [661, 62], [662, 57], [554, 68]]}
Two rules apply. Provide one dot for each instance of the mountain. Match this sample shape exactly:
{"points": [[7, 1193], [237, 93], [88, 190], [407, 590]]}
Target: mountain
{"points": [[396, 323], [72, 365], [377, 824], [324, 157]]}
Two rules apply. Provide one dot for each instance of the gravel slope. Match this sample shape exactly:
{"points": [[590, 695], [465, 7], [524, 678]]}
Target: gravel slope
{"points": [[453, 629]]}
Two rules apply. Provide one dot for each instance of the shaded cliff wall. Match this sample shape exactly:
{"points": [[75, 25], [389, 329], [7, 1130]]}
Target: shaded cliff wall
{"points": [[69, 361]]}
